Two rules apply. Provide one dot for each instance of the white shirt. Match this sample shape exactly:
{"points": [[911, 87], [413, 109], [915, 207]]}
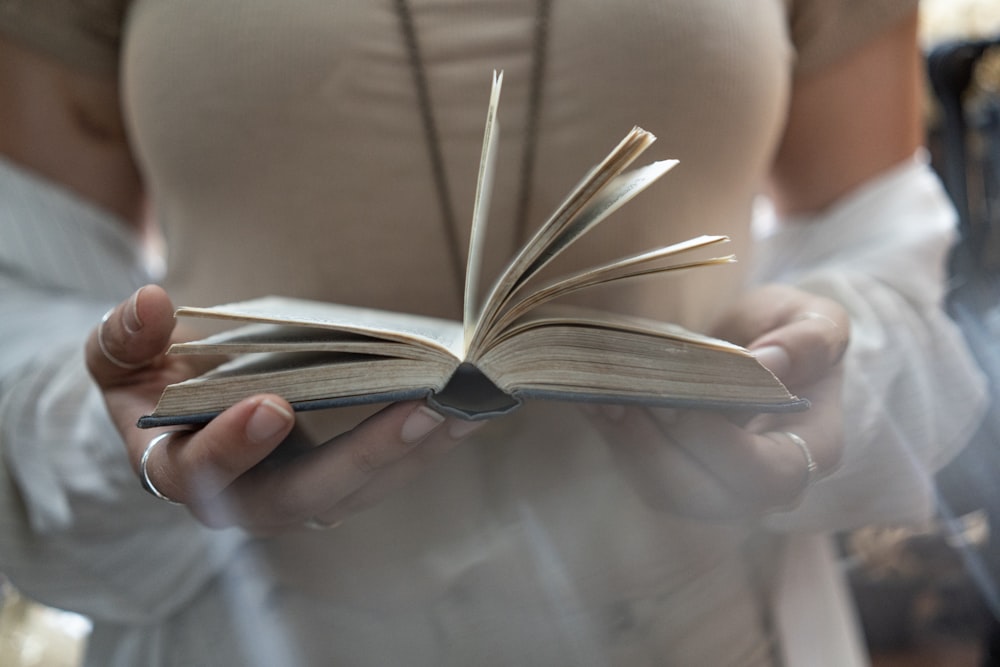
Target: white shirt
{"points": [[76, 530]]}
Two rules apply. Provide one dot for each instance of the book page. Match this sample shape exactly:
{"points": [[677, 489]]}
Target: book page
{"points": [[272, 338], [660, 260], [430, 332], [625, 365], [300, 377], [480, 213], [602, 192], [588, 318], [607, 201]]}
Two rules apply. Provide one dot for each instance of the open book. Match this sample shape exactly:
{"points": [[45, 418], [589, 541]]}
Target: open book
{"points": [[512, 346]]}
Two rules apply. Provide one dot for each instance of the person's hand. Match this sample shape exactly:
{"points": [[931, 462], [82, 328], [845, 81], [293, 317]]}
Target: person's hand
{"points": [[242, 468], [710, 465]]}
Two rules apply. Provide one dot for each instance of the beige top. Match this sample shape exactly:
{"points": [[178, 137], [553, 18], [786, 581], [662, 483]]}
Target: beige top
{"points": [[323, 140], [235, 126], [283, 148]]}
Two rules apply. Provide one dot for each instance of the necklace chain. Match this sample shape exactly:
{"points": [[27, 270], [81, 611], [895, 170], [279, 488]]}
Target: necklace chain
{"points": [[433, 139]]}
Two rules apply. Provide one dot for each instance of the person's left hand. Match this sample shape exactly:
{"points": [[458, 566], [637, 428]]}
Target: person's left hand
{"points": [[247, 467], [716, 465]]}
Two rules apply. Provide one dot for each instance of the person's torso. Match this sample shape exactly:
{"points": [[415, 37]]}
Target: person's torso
{"points": [[286, 151], [286, 155]]}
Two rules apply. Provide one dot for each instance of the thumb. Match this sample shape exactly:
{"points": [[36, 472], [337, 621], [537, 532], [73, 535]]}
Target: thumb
{"points": [[806, 348], [131, 336]]}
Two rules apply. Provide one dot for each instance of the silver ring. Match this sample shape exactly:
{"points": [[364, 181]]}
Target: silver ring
{"points": [[812, 469], [107, 353], [315, 524], [147, 483]]}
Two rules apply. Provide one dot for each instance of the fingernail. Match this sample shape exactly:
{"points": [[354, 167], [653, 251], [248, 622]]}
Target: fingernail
{"points": [[775, 358], [130, 318], [419, 424], [813, 315], [268, 420], [459, 428]]}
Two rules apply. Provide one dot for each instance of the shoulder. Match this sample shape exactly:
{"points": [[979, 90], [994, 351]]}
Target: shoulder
{"points": [[85, 34], [822, 31]]}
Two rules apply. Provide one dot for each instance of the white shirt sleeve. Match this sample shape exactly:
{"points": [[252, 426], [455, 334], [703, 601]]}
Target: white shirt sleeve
{"points": [[76, 530], [913, 395]]}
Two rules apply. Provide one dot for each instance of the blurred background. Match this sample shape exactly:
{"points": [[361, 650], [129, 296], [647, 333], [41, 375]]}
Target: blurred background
{"points": [[928, 595], [924, 595]]}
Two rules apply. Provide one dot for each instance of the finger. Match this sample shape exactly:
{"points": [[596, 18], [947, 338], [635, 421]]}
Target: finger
{"points": [[821, 426], [766, 471], [194, 469], [324, 476], [796, 334], [131, 337], [295, 444], [807, 347], [399, 474], [703, 466], [665, 476]]}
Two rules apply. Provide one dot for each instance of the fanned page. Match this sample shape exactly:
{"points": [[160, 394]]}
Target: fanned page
{"points": [[430, 333], [574, 316], [660, 260], [607, 200], [280, 338], [602, 191], [480, 213]]}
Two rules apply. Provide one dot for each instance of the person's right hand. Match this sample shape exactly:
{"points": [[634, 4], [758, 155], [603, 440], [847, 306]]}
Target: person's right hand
{"points": [[242, 468]]}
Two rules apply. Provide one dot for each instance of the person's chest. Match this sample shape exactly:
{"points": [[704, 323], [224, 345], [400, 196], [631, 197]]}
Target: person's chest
{"points": [[297, 129]]}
